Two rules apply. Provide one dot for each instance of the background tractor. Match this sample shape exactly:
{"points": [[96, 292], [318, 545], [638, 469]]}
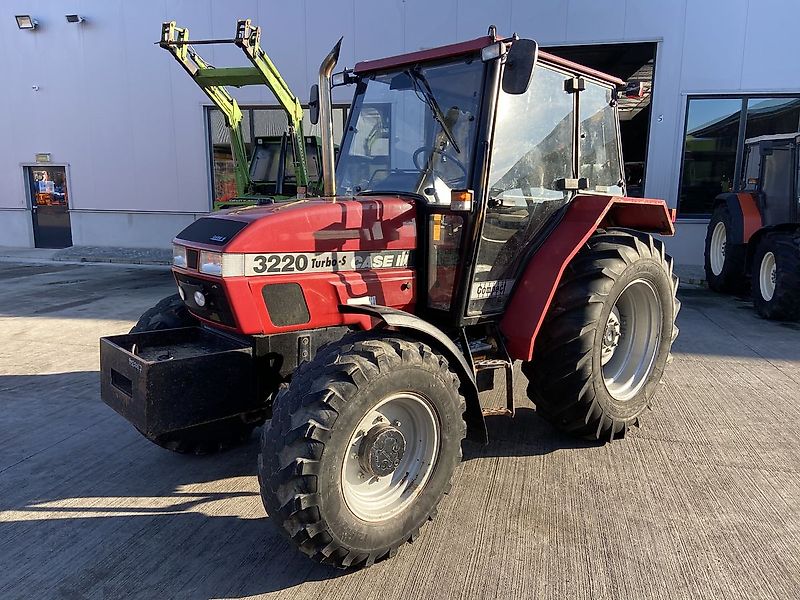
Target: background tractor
{"points": [[280, 166], [753, 238], [476, 217]]}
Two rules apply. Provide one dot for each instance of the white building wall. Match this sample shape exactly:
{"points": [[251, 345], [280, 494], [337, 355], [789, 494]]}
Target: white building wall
{"points": [[126, 119]]}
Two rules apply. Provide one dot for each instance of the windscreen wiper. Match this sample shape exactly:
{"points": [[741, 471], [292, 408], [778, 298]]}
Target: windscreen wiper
{"points": [[425, 88]]}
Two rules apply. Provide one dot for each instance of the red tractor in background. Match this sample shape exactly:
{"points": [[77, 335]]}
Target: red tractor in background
{"points": [[753, 237], [476, 216]]}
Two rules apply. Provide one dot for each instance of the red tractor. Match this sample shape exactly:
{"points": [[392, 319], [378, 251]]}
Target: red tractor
{"points": [[753, 236], [476, 217]]}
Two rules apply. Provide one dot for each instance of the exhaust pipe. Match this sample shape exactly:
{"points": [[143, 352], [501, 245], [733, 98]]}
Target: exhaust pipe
{"points": [[326, 120]]}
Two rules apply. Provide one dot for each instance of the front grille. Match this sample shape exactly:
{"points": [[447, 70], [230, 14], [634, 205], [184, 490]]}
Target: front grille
{"points": [[192, 257], [216, 309]]}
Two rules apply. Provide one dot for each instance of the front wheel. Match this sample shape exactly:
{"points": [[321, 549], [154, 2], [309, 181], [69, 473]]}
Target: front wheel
{"points": [[361, 448], [776, 276], [169, 313], [607, 337]]}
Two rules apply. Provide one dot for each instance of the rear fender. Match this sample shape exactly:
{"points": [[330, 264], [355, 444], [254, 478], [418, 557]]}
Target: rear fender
{"points": [[412, 325], [535, 289], [745, 216]]}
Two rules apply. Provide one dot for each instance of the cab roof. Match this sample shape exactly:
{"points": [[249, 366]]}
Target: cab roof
{"points": [[470, 46]]}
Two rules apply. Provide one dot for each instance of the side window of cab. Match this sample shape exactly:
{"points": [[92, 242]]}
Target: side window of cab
{"points": [[533, 148]]}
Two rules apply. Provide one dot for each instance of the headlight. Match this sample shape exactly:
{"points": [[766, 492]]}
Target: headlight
{"points": [[221, 265], [179, 256], [210, 263]]}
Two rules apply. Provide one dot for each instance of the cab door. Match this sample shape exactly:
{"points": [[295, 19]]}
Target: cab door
{"points": [[532, 156], [541, 158]]}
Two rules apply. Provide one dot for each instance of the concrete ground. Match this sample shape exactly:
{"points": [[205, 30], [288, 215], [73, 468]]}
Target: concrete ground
{"points": [[703, 501]]}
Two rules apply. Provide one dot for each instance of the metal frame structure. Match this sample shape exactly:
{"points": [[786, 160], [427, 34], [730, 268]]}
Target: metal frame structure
{"points": [[213, 81]]}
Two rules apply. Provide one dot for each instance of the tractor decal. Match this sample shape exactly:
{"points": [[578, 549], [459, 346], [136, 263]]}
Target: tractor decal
{"points": [[324, 262]]}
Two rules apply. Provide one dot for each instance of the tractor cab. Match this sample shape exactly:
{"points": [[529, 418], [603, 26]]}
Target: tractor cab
{"points": [[771, 172], [272, 171], [446, 128]]}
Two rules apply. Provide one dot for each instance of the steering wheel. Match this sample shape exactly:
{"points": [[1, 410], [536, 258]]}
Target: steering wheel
{"points": [[422, 149]]}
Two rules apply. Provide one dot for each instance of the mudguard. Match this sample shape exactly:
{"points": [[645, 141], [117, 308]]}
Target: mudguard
{"points": [[537, 286], [745, 216], [406, 322]]}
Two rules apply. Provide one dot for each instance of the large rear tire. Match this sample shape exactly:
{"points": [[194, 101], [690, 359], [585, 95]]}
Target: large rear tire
{"points": [[724, 257], [606, 339], [776, 276], [209, 438], [361, 448]]}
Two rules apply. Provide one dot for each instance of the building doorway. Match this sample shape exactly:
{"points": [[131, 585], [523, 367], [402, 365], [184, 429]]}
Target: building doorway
{"points": [[634, 63], [47, 185]]}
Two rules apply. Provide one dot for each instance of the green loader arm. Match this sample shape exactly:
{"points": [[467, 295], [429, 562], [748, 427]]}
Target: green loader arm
{"points": [[213, 82]]}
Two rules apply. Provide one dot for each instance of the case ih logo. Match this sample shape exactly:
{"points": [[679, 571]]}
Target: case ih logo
{"points": [[218, 238]]}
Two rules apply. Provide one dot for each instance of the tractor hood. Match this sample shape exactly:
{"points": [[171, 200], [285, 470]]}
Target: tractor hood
{"points": [[308, 225]]}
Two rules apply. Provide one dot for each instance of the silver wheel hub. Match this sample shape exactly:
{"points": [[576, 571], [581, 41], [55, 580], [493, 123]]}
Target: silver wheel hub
{"points": [[719, 242], [381, 450], [631, 340], [611, 335], [768, 276], [391, 455]]}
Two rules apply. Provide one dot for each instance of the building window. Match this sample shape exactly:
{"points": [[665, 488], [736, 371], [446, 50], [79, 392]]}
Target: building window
{"points": [[709, 152], [268, 121], [716, 128]]}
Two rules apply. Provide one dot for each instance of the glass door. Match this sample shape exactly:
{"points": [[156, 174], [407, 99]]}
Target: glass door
{"points": [[49, 206]]}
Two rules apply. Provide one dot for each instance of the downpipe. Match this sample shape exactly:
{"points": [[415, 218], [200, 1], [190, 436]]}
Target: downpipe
{"points": [[326, 120]]}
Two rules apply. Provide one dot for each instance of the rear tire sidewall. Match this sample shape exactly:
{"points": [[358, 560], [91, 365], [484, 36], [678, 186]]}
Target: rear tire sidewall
{"points": [[731, 277], [345, 525], [653, 273], [785, 302]]}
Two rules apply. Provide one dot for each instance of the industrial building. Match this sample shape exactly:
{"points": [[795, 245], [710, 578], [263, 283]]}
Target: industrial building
{"points": [[107, 142]]}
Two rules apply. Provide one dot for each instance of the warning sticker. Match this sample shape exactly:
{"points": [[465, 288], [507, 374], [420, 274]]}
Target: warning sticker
{"points": [[483, 290], [324, 262]]}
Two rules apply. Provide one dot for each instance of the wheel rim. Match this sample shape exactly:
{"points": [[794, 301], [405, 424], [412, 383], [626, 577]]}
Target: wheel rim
{"points": [[631, 340], [718, 242], [767, 276], [405, 419]]}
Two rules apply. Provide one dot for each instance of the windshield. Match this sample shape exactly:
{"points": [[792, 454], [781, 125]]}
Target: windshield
{"points": [[413, 130]]}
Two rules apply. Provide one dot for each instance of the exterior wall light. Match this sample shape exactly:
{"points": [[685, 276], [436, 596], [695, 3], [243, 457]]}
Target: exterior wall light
{"points": [[26, 22], [74, 18]]}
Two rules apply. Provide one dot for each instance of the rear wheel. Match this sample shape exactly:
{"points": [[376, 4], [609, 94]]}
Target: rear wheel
{"points": [[209, 438], [361, 448], [606, 339], [724, 258], [776, 276]]}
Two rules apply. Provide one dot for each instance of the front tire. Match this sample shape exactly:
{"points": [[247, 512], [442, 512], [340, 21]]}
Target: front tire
{"points": [[361, 448], [776, 276], [606, 339], [724, 258], [169, 313]]}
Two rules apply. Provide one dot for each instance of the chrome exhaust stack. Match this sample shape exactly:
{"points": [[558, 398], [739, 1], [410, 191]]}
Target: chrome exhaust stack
{"points": [[326, 120]]}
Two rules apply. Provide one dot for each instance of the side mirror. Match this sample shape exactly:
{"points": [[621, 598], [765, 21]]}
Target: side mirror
{"points": [[519, 66], [313, 105]]}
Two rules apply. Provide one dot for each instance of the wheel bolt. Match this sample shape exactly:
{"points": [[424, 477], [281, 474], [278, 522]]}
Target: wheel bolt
{"points": [[360, 475], [397, 423]]}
